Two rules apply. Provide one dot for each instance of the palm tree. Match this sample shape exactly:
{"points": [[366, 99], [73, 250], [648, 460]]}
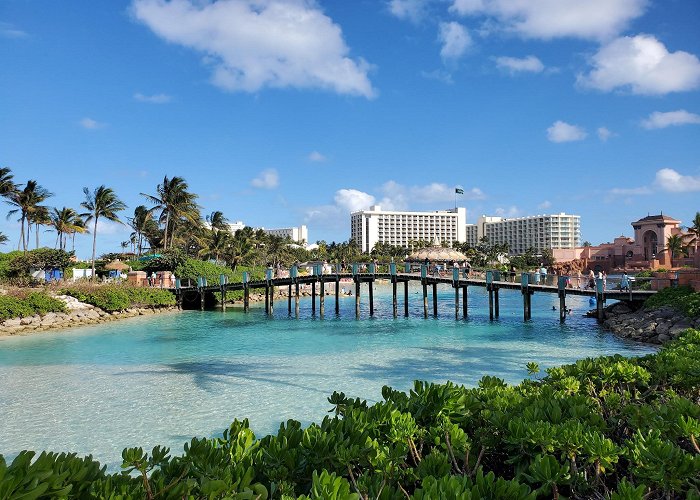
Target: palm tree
{"points": [[6, 184], [674, 243], [39, 217], [3, 239], [102, 202], [26, 200], [142, 222], [175, 203], [65, 221], [217, 220], [695, 229]]}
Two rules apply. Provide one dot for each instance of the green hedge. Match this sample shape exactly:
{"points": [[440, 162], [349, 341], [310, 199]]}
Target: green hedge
{"points": [[607, 427], [113, 298], [29, 305], [682, 298]]}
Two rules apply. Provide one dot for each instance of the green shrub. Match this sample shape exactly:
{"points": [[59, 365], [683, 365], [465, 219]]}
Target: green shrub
{"points": [[682, 298], [113, 298], [22, 306]]}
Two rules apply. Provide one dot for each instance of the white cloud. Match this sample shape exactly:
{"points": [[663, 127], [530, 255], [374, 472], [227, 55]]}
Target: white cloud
{"points": [[642, 65], [90, 124], [352, 200], [670, 180], [455, 40], [529, 64], [509, 212], [315, 156], [267, 179], [604, 133], [153, 99], [563, 132], [413, 10], [662, 120], [439, 75], [105, 226], [252, 44], [7, 30], [544, 205], [637, 191], [547, 19]]}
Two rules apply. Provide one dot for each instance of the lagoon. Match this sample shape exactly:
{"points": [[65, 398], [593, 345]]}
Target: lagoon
{"points": [[163, 379]]}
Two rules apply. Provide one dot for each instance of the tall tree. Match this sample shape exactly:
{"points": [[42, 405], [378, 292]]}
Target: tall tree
{"points": [[101, 203], [695, 229], [6, 184], [217, 220], [3, 239], [39, 217], [26, 201], [674, 243], [142, 223], [65, 221], [175, 203]]}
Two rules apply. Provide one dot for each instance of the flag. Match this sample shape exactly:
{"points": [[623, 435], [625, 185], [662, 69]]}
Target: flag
{"points": [[459, 191]]}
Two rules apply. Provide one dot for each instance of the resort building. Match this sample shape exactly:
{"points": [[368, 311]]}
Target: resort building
{"points": [[297, 234], [369, 227], [538, 232], [647, 250]]}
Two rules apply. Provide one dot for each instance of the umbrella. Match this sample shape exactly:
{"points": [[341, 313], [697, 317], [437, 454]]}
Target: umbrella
{"points": [[117, 265]]}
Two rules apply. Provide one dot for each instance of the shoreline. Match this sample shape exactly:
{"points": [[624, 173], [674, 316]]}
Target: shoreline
{"points": [[647, 326]]}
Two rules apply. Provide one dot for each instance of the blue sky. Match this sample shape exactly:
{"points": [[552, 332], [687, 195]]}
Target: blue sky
{"points": [[289, 112]]}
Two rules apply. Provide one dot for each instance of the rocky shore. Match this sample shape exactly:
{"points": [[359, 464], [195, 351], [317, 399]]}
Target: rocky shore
{"points": [[651, 326], [78, 314]]}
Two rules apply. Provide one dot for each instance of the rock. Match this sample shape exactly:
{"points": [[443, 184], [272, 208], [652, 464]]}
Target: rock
{"points": [[10, 323], [26, 321], [663, 338]]}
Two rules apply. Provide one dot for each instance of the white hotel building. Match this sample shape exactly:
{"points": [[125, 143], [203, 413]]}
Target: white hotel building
{"points": [[535, 231], [369, 227]]}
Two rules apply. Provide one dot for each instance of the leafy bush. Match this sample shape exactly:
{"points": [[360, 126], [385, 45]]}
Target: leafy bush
{"points": [[41, 258], [682, 298], [608, 427], [22, 306], [113, 298]]}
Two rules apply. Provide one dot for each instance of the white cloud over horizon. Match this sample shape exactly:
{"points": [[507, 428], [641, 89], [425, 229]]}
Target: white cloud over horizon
{"points": [[672, 181], [528, 64], [659, 119], [548, 19], [413, 10], [564, 132], [90, 124], [8, 30], [641, 65], [455, 40], [153, 99], [604, 133], [267, 179], [253, 44], [317, 157]]}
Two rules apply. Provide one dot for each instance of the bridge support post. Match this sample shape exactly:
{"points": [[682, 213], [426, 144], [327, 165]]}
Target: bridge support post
{"points": [[296, 298], [370, 284], [464, 301], [527, 294], [223, 298], [313, 298], [322, 298], [435, 299], [337, 292], [405, 298], [357, 297], [246, 298], [394, 298], [456, 302], [267, 299], [495, 301], [289, 299], [561, 284], [425, 299]]}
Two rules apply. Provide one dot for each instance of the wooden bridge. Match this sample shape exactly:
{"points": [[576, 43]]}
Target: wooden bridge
{"points": [[460, 280]]}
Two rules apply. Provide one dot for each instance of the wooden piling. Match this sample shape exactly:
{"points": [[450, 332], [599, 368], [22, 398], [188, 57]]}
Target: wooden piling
{"points": [[562, 307], [357, 298], [405, 298], [313, 298], [337, 292], [322, 298], [296, 299], [223, 298], [490, 290], [371, 297], [464, 301], [394, 300], [425, 298], [246, 298], [289, 299], [456, 302], [435, 299], [495, 301], [272, 299], [267, 299], [201, 299]]}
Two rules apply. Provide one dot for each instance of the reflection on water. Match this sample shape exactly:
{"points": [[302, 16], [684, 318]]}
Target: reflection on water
{"points": [[163, 379]]}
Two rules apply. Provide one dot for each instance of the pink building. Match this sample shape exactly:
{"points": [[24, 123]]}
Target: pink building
{"points": [[647, 250]]}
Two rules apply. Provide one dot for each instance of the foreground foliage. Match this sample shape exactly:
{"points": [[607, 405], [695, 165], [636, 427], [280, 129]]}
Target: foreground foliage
{"points": [[682, 298], [608, 427], [23, 305], [120, 297]]}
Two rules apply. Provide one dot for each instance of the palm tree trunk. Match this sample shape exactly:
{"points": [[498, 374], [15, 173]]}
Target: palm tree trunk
{"points": [[94, 246], [37, 235], [165, 233], [21, 235]]}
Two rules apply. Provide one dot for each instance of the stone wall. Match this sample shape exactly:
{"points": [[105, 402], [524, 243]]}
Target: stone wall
{"points": [[655, 326]]}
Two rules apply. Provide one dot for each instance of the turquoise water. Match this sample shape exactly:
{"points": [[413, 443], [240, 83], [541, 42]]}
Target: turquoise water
{"points": [[163, 379]]}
